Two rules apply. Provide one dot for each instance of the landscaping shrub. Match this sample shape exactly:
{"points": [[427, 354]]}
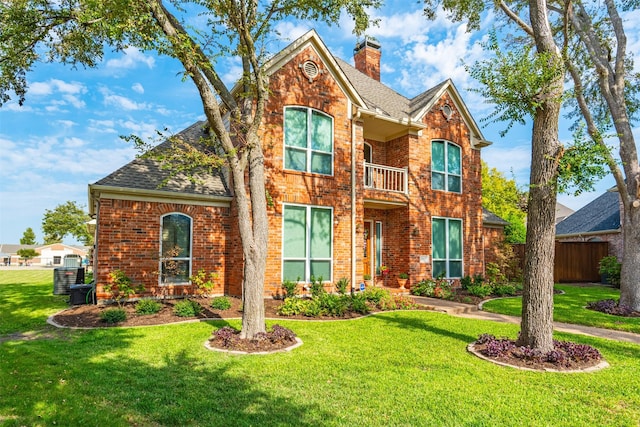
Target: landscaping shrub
{"points": [[359, 304], [290, 289], [220, 303], [504, 290], [293, 306], [227, 336], [148, 306], [610, 267], [113, 315], [374, 295], [481, 291], [332, 304], [312, 308], [610, 306], [187, 308], [342, 285], [317, 288], [424, 288], [203, 284]]}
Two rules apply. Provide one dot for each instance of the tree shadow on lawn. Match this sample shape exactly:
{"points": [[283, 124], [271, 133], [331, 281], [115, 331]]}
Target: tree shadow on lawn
{"points": [[410, 322], [100, 377]]}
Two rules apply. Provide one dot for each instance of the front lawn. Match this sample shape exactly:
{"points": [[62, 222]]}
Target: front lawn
{"points": [[405, 368], [570, 308]]}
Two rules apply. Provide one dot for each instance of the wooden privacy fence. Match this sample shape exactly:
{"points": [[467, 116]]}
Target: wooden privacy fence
{"points": [[575, 261]]}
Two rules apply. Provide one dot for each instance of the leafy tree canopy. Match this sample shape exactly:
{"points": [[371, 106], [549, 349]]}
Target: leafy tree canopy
{"points": [[503, 197], [27, 253], [28, 237], [66, 219]]}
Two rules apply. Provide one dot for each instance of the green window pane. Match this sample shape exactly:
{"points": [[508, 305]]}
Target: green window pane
{"points": [[439, 268], [453, 183], [320, 233], [455, 269], [295, 159], [437, 156], [321, 132], [453, 159], [293, 270], [176, 236], [437, 181], [455, 239], [295, 127], [439, 239], [295, 232], [321, 163], [321, 269]]}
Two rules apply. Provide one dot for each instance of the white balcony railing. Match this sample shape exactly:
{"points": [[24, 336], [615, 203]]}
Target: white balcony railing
{"points": [[385, 178]]}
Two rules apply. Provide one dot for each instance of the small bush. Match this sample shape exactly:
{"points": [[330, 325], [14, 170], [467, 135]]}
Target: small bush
{"points": [[187, 308], [342, 285], [290, 289], [504, 290], [292, 307], [359, 304], [312, 308], [333, 305], [481, 291], [220, 303], [113, 315], [317, 288], [374, 295], [466, 281], [148, 306], [610, 267], [424, 288]]}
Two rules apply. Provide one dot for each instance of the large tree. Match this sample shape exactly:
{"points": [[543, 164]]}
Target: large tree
{"points": [[76, 31], [67, 219], [528, 84], [28, 237]]}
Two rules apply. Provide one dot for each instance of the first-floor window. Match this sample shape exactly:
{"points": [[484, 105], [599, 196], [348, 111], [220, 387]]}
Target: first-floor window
{"points": [[175, 250], [447, 247], [307, 243]]}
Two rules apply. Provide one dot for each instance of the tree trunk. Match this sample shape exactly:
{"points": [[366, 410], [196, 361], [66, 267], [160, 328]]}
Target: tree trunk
{"points": [[537, 301], [630, 274]]}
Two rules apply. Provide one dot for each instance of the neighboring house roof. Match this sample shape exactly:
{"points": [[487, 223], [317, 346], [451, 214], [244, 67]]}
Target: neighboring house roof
{"points": [[8, 248], [148, 176], [599, 216], [489, 218], [562, 212]]}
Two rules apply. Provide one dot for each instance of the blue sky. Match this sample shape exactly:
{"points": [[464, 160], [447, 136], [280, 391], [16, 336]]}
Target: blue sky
{"points": [[66, 135]]}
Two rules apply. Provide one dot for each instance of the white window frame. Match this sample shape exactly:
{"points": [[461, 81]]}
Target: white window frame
{"points": [[307, 257], [446, 172], [309, 151], [448, 260], [189, 258]]}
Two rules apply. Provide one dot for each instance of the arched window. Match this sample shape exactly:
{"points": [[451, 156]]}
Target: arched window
{"points": [[446, 166], [175, 249]]}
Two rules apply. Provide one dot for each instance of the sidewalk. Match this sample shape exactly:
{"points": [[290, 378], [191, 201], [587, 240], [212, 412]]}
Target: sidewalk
{"points": [[471, 311]]}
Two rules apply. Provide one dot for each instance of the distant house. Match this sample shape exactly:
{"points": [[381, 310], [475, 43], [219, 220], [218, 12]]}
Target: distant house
{"points": [[562, 212], [598, 221], [48, 255]]}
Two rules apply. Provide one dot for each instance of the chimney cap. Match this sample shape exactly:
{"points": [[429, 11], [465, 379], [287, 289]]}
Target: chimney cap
{"points": [[367, 42]]}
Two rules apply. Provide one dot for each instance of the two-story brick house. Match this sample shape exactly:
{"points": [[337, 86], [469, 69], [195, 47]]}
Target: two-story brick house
{"points": [[358, 177]]}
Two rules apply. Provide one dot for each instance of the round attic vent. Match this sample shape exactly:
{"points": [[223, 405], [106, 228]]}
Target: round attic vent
{"points": [[447, 111], [310, 69]]}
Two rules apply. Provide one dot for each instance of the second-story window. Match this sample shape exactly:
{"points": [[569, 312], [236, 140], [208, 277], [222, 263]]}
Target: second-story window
{"points": [[308, 140], [446, 166]]}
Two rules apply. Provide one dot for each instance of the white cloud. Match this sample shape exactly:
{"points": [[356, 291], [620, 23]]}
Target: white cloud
{"points": [[130, 59], [290, 31], [137, 87], [513, 161], [55, 85], [67, 123], [121, 102], [74, 101], [73, 142]]}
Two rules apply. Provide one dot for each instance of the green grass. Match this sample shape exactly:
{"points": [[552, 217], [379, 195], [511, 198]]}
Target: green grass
{"points": [[26, 300], [404, 368], [570, 308]]}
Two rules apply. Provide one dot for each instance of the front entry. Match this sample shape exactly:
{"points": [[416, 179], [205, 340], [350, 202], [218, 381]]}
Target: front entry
{"points": [[372, 257]]}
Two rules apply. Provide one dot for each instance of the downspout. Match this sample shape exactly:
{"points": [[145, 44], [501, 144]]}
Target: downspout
{"points": [[353, 200]]}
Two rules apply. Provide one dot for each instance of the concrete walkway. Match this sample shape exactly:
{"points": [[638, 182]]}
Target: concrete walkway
{"points": [[471, 311]]}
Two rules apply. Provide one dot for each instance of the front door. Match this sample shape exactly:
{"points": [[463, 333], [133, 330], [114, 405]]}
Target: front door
{"points": [[368, 249]]}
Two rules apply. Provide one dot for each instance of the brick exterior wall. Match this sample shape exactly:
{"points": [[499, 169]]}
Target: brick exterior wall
{"points": [[128, 236], [128, 231], [493, 240]]}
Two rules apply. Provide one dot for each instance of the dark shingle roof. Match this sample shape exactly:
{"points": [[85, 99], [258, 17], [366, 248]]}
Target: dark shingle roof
{"points": [[148, 174], [382, 98], [602, 214], [489, 218]]}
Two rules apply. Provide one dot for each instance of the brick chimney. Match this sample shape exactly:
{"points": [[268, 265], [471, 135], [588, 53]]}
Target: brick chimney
{"points": [[366, 56]]}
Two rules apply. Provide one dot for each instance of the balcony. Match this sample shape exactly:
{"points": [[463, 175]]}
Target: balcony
{"points": [[385, 178]]}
